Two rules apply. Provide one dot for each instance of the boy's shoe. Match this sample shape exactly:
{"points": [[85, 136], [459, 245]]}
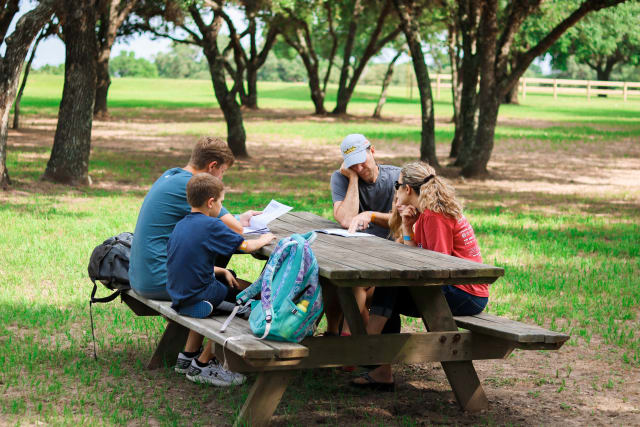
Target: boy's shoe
{"points": [[199, 310], [214, 374], [184, 362]]}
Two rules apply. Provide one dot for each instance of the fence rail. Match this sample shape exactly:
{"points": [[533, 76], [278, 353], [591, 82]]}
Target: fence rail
{"points": [[556, 87]]}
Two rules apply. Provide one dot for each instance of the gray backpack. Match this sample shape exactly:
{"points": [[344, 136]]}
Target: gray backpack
{"points": [[109, 264]]}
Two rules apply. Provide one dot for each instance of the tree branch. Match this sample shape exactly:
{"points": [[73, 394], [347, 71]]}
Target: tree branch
{"points": [[544, 44]]}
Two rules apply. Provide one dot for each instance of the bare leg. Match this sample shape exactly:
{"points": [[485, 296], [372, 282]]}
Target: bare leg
{"points": [[194, 342], [207, 353], [382, 373], [363, 298], [331, 308]]}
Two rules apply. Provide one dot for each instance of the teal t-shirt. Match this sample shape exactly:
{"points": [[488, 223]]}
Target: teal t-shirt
{"points": [[164, 205]]}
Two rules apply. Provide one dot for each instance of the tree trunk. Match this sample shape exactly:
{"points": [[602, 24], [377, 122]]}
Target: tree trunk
{"points": [[69, 161], [489, 96], [311, 65], [468, 21], [410, 28], [16, 49], [236, 136], [512, 95], [348, 85], [385, 86], [251, 100], [112, 14], [343, 98], [103, 81], [27, 68], [456, 88], [604, 74]]}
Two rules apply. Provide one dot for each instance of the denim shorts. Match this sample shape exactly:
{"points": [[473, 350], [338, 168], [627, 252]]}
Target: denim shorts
{"points": [[393, 301]]}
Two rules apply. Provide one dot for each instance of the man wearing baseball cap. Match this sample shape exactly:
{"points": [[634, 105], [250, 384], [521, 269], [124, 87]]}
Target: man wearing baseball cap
{"points": [[362, 193], [362, 190]]}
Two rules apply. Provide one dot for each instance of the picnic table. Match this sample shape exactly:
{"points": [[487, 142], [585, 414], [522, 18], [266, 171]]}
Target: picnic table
{"points": [[346, 263]]}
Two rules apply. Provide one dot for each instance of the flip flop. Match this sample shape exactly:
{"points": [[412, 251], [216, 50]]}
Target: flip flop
{"points": [[372, 384]]}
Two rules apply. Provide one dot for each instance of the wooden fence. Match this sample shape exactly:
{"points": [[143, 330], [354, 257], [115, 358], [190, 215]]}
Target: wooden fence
{"points": [[555, 86]]}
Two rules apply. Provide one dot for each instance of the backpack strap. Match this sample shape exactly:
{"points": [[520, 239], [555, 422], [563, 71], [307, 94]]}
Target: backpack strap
{"points": [[92, 301]]}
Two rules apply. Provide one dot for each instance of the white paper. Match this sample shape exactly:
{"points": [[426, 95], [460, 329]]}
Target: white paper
{"points": [[258, 223], [343, 232]]}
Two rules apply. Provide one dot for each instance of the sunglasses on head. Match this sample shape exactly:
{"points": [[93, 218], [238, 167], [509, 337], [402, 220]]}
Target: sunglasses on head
{"points": [[398, 184]]}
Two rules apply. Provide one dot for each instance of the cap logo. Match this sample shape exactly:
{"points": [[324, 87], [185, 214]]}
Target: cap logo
{"points": [[349, 150]]}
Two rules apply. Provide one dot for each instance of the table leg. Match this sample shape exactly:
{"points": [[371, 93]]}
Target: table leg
{"points": [[462, 376], [263, 398], [351, 311], [171, 343]]}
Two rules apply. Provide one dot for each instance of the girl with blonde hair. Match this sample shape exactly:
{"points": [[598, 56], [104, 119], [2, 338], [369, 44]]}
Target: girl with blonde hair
{"points": [[425, 214]]}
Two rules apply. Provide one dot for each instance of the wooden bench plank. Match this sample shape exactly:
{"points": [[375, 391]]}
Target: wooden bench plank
{"points": [[245, 345], [512, 330]]}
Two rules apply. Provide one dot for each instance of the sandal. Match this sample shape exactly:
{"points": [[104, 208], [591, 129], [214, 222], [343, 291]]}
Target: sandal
{"points": [[372, 384]]}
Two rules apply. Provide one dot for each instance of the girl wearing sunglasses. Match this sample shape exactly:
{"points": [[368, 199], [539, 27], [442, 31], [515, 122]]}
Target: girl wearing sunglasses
{"points": [[425, 214]]}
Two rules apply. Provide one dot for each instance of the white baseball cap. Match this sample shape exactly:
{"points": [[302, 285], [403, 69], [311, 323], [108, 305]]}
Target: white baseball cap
{"points": [[354, 149]]}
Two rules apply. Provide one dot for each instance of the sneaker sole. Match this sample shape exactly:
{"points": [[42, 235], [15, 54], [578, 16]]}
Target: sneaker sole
{"points": [[199, 310], [199, 379]]}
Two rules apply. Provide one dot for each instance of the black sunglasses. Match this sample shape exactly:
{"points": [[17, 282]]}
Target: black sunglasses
{"points": [[398, 184]]}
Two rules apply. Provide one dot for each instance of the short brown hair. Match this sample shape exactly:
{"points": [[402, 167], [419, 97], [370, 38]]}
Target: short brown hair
{"points": [[211, 149], [202, 187]]}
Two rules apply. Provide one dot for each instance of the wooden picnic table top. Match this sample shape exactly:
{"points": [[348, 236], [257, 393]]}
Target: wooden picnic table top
{"points": [[381, 262]]}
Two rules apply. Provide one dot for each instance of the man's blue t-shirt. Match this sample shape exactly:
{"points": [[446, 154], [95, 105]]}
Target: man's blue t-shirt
{"points": [[191, 254], [164, 205]]}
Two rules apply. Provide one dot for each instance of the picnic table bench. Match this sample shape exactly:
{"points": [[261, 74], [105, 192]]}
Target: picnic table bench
{"points": [[346, 263]]}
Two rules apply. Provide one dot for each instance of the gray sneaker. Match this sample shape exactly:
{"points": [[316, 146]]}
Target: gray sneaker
{"points": [[183, 362], [214, 374]]}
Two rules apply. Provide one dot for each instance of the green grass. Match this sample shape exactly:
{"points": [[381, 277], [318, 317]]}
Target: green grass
{"points": [[573, 268]]}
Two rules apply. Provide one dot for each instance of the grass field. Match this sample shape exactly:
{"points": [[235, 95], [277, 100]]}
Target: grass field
{"points": [[552, 215]]}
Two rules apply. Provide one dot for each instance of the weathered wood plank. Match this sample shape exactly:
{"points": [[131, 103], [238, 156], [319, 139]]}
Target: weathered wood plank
{"points": [[509, 329], [263, 398], [429, 262], [326, 352], [350, 310], [408, 282], [244, 343], [361, 266]]}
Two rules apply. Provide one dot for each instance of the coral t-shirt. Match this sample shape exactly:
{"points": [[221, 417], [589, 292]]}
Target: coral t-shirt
{"points": [[441, 233]]}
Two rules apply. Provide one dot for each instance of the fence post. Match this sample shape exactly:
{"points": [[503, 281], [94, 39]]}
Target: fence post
{"points": [[437, 86], [588, 90], [555, 88], [524, 88], [624, 91]]}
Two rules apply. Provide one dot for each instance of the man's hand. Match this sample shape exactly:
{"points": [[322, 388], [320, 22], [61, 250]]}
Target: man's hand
{"points": [[360, 222], [228, 277], [244, 218], [348, 172]]}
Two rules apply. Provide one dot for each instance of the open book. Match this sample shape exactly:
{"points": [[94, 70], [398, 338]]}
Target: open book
{"points": [[258, 223], [342, 232]]}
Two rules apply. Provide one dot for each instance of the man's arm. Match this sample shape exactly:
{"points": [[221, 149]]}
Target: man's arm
{"points": [[231, 222], [345, 210], [361, 221]]}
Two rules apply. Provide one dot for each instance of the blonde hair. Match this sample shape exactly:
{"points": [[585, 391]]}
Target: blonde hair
{"points": [[434, 194]]}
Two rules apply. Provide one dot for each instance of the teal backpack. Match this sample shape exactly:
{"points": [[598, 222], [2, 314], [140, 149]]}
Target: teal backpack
{"points": [[291, 297]]}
